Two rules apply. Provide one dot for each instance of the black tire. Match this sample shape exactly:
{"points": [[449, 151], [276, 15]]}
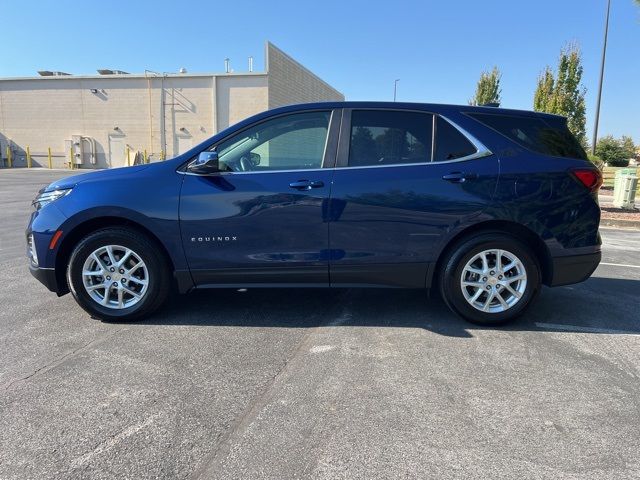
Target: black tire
{"points": [[453, 264], [159, 281]]}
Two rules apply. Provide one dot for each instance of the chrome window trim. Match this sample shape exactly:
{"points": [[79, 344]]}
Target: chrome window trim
{"points": [[215, 174], [425, 164], [481, 149]]}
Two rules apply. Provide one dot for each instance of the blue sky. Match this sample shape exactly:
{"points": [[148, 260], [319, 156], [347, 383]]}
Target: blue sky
{"points": [[437, 49]]}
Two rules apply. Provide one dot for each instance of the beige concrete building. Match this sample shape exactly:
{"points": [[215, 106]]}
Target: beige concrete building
{"points": [[95, 120]]}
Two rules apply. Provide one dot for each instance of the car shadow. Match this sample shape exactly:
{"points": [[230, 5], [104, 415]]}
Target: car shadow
{"points": [[599, 305]]}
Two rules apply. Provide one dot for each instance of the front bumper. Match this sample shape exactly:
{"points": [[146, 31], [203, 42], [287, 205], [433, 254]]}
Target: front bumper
{"points": [[574, 268], [46, 276], [42, 227]]}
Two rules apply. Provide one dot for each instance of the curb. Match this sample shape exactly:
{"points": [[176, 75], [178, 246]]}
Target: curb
{"points": [[611, 222], [44, 169]]}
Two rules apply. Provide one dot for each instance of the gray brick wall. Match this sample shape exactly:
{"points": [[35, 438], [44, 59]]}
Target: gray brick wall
{"points": [[290, 82]]}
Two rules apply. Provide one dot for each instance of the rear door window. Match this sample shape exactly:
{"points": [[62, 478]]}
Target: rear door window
{"points": [[380, 137], [546, 135]]}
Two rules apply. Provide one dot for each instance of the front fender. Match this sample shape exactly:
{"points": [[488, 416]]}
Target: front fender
{"points": [[165, 231], [148, 198]]}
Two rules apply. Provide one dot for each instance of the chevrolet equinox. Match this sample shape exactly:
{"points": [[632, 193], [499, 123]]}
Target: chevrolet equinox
{"points": [[483, 204]]}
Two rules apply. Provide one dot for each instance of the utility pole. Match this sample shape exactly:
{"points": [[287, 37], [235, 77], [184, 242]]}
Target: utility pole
{"points": [[604, 54], [395, 88]]}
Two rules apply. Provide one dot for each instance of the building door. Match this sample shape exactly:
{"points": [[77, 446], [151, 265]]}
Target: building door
{"points": [[117, 151]]}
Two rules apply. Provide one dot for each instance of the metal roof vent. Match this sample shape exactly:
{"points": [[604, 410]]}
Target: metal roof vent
{"points": [[49, 73], [106, 71]]}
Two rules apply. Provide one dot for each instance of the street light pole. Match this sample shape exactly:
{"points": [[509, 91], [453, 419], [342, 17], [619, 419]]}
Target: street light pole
{"points": [[395, 88], [604, 54]]}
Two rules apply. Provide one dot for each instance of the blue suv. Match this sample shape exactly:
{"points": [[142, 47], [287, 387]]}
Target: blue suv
{"points": [[483, 204]]}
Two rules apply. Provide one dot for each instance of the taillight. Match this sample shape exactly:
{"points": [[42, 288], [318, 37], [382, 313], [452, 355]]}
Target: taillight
{"points": [[590, 178]]}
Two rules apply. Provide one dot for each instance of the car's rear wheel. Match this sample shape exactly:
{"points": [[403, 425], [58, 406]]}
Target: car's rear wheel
{"points": [[490, 279], [118, 274]]}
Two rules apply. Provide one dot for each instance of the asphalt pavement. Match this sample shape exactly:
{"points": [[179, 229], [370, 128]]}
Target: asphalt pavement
{"points": [[328, 384]]}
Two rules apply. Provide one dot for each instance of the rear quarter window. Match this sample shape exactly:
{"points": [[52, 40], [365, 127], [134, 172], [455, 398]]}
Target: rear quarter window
{"points": [[450, 143], [549, 136]]}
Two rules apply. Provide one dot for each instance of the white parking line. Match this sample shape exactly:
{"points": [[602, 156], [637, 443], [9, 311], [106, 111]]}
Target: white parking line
{"points": [[619, 265], [575, 328]]}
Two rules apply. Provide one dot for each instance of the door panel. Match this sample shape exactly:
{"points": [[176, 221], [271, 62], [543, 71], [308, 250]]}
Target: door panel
{"points": [[253, 223], [387, 222], [239, 228]]}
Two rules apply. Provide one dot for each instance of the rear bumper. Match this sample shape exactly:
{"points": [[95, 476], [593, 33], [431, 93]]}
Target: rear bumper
{"points": [[46, 276], [574, 268]]}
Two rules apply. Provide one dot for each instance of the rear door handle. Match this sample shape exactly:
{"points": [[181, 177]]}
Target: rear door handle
{"points": [[459, 177], [306, 184]]}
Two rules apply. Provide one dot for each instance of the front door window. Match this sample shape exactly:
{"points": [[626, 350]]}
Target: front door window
{"points": [[289, 142]]}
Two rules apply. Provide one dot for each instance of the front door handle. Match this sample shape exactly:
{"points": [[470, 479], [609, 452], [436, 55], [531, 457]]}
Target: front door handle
{"points": [[459, 177], [306, 184]]}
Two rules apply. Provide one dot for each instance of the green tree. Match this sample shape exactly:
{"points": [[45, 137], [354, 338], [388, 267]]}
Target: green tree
{"points": [[563, 93], [488, 89], [543, 96], [612, 151], [628, 147]]}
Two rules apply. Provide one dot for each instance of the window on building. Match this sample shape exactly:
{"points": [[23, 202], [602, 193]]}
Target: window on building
{"points": [[380, 137], [289, 142]]}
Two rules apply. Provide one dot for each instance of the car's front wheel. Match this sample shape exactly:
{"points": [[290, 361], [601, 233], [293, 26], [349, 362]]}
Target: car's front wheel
{"points": [[118, 274], [490, 278]]}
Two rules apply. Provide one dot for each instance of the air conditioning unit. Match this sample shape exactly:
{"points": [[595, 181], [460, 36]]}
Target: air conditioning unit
{"points": [[624, 192]]}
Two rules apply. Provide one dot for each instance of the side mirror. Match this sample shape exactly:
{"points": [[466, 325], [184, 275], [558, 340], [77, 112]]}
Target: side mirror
{"points": [[207, 162], [255, 158]]}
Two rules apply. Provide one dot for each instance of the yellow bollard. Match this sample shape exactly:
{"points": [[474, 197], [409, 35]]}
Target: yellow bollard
{"points": [[71, 158], [128, 157], [49, 156], [146, 159], [28, 157], [162, 155], [9, 157]]}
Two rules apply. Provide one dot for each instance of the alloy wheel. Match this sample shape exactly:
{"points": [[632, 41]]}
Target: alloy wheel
{"points": [[493, 281], [115, 277]]}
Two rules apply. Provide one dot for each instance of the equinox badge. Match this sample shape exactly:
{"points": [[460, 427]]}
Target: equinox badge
{"points": [[213, 239]]}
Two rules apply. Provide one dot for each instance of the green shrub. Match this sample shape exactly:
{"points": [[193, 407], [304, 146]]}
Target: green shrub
{"points": [[619, 162], [615, 152]]}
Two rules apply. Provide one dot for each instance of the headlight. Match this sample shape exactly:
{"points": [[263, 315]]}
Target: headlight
{"points": [[48, 197]]}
